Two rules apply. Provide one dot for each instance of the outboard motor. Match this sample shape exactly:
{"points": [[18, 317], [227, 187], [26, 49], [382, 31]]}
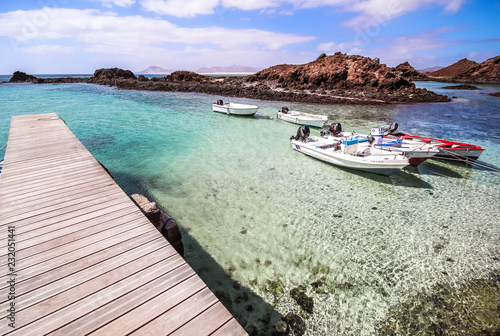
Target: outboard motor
{"points": [[378, 134], [392, 128], [325, 130], [335, 129], [302, 133], [220, 102], [284, 109]]}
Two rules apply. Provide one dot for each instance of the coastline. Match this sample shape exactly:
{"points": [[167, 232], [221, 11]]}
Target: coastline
{"points": [[241, 86]]}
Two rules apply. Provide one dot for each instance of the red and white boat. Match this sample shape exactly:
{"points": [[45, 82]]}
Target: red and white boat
{"points": [[450, 150]]}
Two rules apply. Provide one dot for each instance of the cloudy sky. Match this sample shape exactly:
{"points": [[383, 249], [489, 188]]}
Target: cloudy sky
{"points": [[70, 36]]}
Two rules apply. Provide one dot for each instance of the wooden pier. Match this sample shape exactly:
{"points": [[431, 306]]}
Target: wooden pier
{"points": [[87, 261]]}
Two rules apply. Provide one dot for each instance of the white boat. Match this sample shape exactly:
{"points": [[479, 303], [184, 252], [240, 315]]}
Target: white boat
{"points": [[416, 152], [234, 108], [302, 118], [346, 152]]}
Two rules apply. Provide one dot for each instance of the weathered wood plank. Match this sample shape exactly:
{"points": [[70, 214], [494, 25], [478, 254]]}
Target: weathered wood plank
{"points": [[87, 259]]}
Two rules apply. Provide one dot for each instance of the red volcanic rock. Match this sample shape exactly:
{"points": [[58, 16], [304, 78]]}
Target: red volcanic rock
{"points": [[338, 71], [455, 69], [409, 72], [487, 72]]}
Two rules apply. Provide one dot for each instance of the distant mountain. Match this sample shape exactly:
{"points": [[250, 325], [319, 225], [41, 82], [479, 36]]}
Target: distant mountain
{"points": [[239, 69], [435, 68], [455, 69], [155, 70]]}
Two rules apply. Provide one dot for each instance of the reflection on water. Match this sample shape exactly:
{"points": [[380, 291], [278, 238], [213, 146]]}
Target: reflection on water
{"points": [[369, 250]]}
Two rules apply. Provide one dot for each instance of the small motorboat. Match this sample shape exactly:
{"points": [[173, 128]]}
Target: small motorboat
{"points": [[449, 150], [416, 152], [234, 108], [346, 152], [301, 118]]}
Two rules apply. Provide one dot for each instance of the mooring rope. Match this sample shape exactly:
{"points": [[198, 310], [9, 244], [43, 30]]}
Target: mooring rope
{"points": [[3, 147], [464, 158]]}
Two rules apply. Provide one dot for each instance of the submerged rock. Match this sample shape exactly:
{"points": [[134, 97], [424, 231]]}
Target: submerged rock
{"points": [[281, 327], [472, 309], [305, 302], [296, 325], [461, 87]]}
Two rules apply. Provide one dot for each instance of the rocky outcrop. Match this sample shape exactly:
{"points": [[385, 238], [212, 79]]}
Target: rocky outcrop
{"points": [[461, 87], [410, 73], [339, 71], [487, 72], [188, 76], [162, 221], [455, 69], [354, 77], [336, 79], [111, 76], [22, 77]]}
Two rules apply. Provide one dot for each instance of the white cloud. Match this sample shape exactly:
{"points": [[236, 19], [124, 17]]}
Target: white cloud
{"points": [[48, 49], [376, 12], [407, 47], [108, 29], [119, 3], [180, 8], [349, 47], [371, 12]]}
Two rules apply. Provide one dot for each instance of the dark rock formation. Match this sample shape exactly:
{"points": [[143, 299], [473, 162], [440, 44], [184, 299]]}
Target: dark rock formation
{"points": [[496, 94], [166, 225], [487, 72], [112, 73], [337, 79], [410, 73], [171, 232], [302, 300], [296, 325], [188, 76], [455, 69], [149, 209], [346, 77], [461, 87], [22, 77]]}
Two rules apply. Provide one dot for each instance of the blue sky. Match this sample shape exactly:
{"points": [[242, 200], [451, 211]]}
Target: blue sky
{"points": [[69, 36]]}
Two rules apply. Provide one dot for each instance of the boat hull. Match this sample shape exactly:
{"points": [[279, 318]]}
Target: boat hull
{"points": [[448, 150], [378, 164], [236, 109], [416, 152], [300, 118]]}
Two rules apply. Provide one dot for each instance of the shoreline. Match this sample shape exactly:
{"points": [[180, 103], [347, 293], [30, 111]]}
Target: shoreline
{"points": [[242, 87]]}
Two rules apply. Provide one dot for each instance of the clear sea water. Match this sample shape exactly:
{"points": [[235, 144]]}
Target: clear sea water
{"points": [[402, 254]]}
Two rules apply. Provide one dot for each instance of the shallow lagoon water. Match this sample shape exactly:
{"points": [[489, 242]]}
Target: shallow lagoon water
{"points": [[260, 219]]}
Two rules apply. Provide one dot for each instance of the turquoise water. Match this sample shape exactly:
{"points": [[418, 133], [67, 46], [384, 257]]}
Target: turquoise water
{"points": [[260, 219]]}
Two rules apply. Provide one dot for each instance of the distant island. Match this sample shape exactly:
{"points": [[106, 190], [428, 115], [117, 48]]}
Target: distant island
{"points": [[333, 79], [228, 70], [155, 70]]}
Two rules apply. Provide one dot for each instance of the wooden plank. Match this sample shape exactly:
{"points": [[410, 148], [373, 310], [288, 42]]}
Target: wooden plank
{"points": [[178, 315], [88, 260], [205, 323], [105, 313], [76, 256], [140, 316]]}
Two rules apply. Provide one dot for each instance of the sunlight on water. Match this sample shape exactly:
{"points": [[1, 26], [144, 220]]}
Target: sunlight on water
{"points": [[359, 244]]}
